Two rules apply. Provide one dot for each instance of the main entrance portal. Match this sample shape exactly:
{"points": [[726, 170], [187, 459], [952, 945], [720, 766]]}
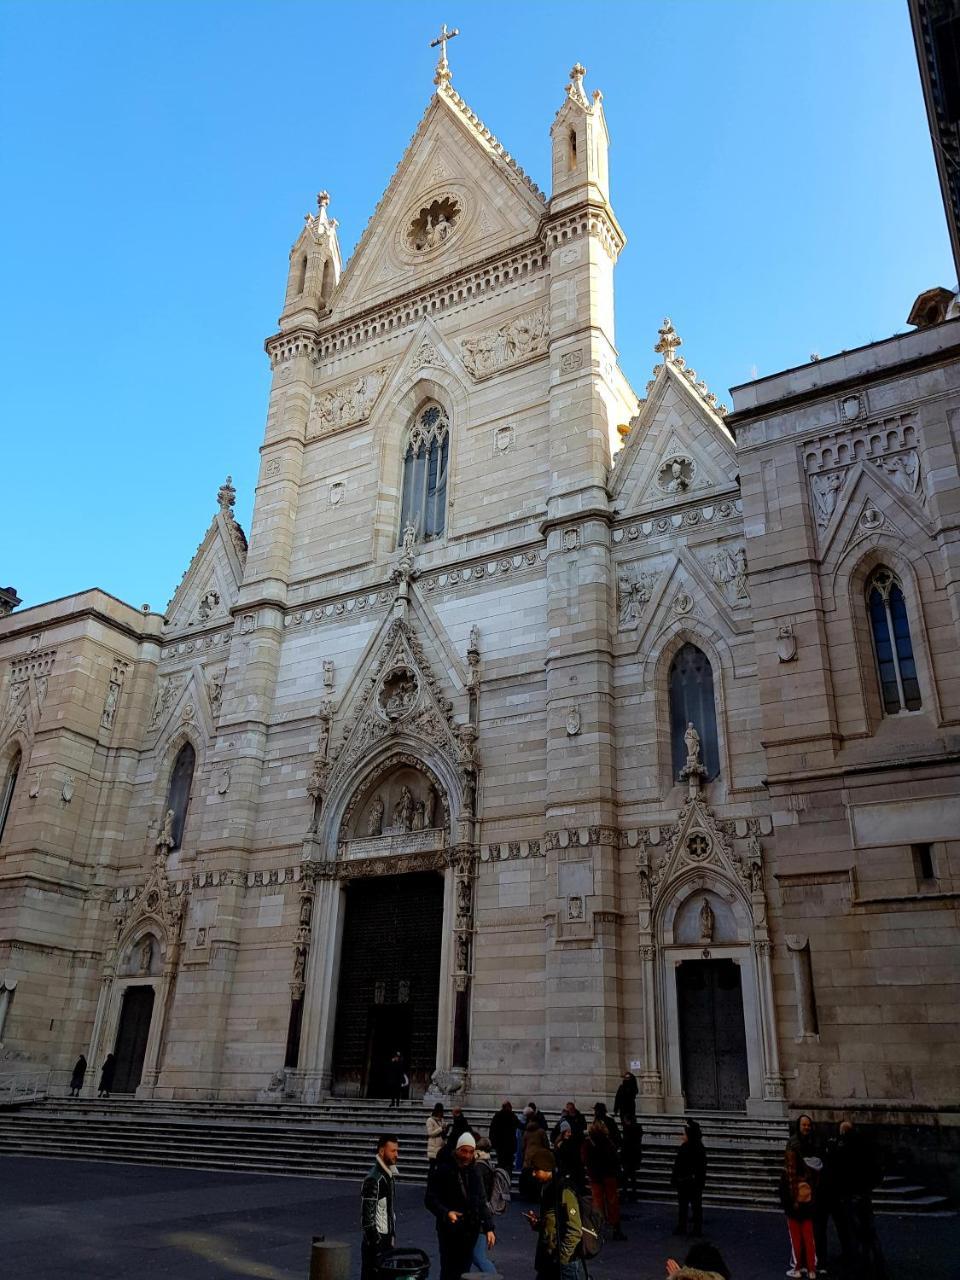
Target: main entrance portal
{"points": [[132, 1033], [389, 987], [713, 1047]]}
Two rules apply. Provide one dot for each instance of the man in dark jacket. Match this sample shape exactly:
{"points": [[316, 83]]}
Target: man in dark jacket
{"points": [[575, 1119], [625, 1103], [455, 1198], [851, 1171], [503, 1135], [631, 1155], [558, 1226], [378, 1221], [689, 1177]]}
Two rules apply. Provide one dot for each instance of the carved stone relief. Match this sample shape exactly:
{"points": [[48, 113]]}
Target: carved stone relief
{"points": [[348, 403], [517, 339], [634, 587], [676, 474]]}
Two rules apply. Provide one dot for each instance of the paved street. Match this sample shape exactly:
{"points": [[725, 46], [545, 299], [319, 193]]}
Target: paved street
{"points": [[79, 1220]]}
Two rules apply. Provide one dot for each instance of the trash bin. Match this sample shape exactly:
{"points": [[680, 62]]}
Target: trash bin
{"points": [[403, 1264]]}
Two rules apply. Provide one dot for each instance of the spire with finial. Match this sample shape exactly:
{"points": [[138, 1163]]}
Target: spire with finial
{"points": [[575, 87], [669, 341], [443, 76], [227, 496]]}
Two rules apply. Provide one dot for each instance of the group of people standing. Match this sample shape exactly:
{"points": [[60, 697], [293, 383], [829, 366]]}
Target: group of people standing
{"points": [[828, 1180]]}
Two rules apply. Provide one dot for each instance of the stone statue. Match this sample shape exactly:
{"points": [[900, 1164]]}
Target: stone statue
{"points": [[145, 958], [375, 817], [707, 921], [403, 810], [323, 738], [826, 490], [419, 810], [464, 896], [463, 953], [428, 808], [299, 964], [165, 838], [692, 739], [306, 910], [409, 538], [469, 793]]}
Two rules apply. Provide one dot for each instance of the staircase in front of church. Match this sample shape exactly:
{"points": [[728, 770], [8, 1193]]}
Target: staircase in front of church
{"points": [[336, 1138]]}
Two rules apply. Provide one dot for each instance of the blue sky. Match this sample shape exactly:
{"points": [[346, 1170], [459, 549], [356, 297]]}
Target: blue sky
{"points": [[770, 164]]}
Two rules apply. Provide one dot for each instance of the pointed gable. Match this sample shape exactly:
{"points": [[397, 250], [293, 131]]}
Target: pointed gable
{"points": [[677, 447], [456, 198], [211, 583]]}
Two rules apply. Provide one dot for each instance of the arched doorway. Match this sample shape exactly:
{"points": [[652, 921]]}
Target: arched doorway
{"points": [[389, 982], [133, 1032], [713, 1042]]}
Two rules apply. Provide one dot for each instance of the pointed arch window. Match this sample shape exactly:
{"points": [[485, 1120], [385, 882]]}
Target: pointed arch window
{"points": [[892, 645], [692, 702], [425, 463], [178, 794], [9, 785]]}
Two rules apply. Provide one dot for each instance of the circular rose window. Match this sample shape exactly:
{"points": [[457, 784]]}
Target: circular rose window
{"points": [[433, 224]]}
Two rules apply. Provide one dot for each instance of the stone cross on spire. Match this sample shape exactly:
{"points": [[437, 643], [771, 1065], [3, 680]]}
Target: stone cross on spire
{"points": [[443, 66]]}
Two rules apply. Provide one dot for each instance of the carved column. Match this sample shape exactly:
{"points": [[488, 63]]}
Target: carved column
{"points": [[301, 951], [651, 1083], [464, 864]]}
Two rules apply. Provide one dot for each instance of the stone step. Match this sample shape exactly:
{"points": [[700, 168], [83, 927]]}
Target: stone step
{"points": [[336, 1140]]}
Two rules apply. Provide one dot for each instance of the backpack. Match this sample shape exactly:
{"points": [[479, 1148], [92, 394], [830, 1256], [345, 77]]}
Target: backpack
{"points": [[500, 1191], [591, 1226]]}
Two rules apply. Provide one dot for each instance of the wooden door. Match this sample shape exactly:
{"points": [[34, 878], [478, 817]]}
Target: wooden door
{"points": [[132, 1033], [713, 1044]]}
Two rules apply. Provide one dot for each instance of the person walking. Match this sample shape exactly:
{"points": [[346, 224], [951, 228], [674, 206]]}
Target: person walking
{"points": [[631, 1156], [625, 1103], [689, 1177], [534, 1139], [602, 1163], [566, 1149], [397, 1077], [480, 1259], [456, 1199], [436, 1128], [378, 1222], [76, 1079], [559, 1231], [851, 1172], [106, 1076], [803, 1162], [602, 1116], [503, 1134], [575, 1119], [459, 1125]]}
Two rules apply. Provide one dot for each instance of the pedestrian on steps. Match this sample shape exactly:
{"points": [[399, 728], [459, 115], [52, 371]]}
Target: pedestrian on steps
{"points": [[689, 1177], [436, 1133], [106, 1075], [802, 1201], [503, 1134], [378, 1221], [625, 1103], [76, 1080], [398, 1078], [631, 1156]]}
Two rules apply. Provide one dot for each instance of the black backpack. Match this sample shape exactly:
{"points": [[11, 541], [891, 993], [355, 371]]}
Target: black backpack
{"points": [[591, 1226]]}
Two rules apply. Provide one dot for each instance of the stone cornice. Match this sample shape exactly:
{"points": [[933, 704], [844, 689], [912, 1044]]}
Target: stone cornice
{"points": [[589, 218]]}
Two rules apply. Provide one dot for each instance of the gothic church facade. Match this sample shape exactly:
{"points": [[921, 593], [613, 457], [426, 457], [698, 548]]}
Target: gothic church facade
{"points": [[543, 729]]}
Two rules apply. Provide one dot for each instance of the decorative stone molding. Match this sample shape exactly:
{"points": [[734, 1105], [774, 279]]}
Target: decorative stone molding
{"points": [[584, 837], [183, 648], [346, 404], [689, 518], [888, 444], [519, 339], [511, 850], [728, 568]]}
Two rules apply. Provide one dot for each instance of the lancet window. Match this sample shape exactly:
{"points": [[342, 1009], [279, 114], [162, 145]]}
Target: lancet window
{"points": [[6, 795], [892, 646], [692, 702], [178, 795], [425, 462]]}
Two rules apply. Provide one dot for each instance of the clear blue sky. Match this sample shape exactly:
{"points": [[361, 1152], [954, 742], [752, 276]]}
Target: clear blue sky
{"points": [[770, 165]]}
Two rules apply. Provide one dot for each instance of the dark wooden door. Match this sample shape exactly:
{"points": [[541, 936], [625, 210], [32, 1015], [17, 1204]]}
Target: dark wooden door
{"points": [[132, 1033], [389, 985], [713, 1043]]}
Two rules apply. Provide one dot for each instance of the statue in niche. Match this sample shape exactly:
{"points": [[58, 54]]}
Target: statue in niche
{"points": [[428, 808], [165, 839], [469, 793], [399, 694], [145, 956], [463, 953], [306, 911], [375, 817], [464, 896], [299, 963], [419, 812], [403, 810], [707, 921], [692, 739], [740, 574]]}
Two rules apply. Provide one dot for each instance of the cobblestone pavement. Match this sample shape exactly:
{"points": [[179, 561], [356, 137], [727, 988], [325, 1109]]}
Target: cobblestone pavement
{"points": [[73, 1220]]}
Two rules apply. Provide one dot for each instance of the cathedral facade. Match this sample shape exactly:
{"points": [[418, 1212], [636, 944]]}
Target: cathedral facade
{"points": [[543, 730]]}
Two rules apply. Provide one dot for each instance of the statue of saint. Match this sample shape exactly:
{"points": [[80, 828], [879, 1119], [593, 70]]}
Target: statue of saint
{"points": [[428, 808], [707, 921], [403, 810], [692, 739], [375, 817], [146, 955], [165, 838], [418, 815]]}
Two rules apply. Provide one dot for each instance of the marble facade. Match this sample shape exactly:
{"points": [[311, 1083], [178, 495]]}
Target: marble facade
{"points": [[492, 705]]}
